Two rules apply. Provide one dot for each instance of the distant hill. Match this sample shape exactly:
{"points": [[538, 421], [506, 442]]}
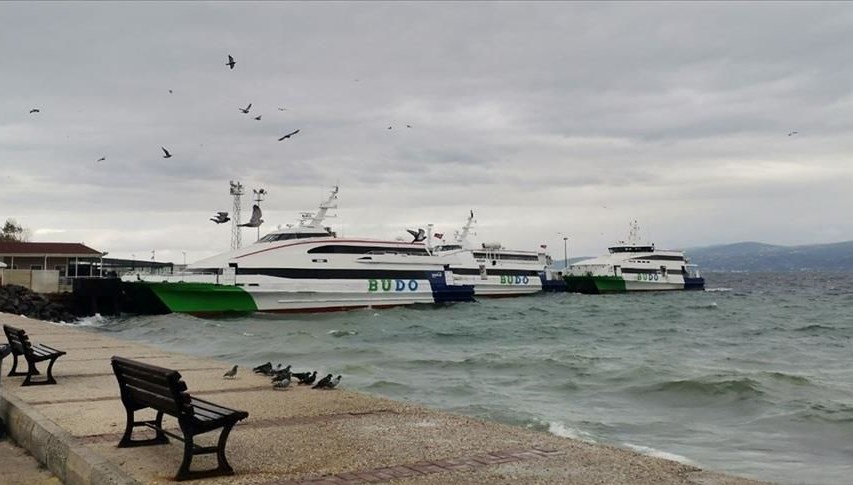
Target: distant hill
{"points": [[755, 256]]}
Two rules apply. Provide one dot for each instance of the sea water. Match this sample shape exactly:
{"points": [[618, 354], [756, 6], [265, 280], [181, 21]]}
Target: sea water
{"points": [[752, 376]]}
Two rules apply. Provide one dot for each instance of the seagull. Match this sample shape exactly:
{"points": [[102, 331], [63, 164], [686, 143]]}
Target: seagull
{"points": [[221, 218], [102, 159], [408, 126], [230, 62], [288, 135], [282, 108], [246, 109], [793, 133], [419, 236], [282, 384], [166, 153], [231, 373], [256, 220], [263, 368], [35, 110], [324, 382], [257, 118]]}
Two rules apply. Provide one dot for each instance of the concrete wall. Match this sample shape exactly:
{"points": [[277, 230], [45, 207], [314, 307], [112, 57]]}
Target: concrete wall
{"points": [[44, 281]]}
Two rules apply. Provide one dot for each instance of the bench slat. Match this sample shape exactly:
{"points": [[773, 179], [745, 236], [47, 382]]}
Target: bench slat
{"points": [[156, 401]]}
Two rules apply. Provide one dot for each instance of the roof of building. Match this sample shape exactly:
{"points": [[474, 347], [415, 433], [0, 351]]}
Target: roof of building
{"points": [[15, 248]]}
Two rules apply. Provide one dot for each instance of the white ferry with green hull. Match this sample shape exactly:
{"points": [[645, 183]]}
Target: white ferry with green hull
{"points": [[634, 266], [303, 268]]}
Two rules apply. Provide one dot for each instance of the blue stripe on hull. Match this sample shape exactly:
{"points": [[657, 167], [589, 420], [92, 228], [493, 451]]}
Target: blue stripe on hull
{"points": [[444, 293]]}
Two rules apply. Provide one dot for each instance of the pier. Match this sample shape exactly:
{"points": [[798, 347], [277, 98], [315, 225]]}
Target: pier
{"points": [[292, 436]]}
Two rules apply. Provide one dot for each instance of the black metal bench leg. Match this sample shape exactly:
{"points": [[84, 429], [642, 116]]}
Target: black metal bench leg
{"points": [[224, 466], [159, 438], [184, 471], [14, 371], [50, 379]]}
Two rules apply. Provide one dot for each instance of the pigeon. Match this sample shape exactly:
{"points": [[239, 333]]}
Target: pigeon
{"points": [[170, 91], [288, 135], [166, 153], [35, 110], [335, 382], [389, 127], [282, 108], [231, 373], [419, 236], [230, 62], [221, 218], [282, 384], [324, 382], [263, 368], [793, 133], [256, 220], [102, 159], [246, 109], [257, 118], [306, 378], [280, 374], [408, 126]]}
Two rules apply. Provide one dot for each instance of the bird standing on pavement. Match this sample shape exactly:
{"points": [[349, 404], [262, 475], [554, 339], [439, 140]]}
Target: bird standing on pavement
{"points": [[282, 384], [263, 368], [231, 373], [324, 382]]}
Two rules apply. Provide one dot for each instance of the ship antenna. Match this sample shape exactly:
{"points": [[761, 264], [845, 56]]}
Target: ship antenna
{"points": [[236, 192], [330, 203]]}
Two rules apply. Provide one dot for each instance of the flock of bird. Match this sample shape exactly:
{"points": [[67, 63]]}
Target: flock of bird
{"points": [[282, 377]]}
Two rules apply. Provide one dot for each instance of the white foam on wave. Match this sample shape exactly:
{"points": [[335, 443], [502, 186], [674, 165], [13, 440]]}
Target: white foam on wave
{"points": [[718, 289], [96, 320], [648, 451], [560, 429], [341, 333]]}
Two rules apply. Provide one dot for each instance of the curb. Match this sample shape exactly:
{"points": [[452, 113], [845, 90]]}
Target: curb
{"points": [[68, 459]]}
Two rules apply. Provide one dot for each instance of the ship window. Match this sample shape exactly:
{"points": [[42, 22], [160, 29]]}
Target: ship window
{"points": [[345, 249]]}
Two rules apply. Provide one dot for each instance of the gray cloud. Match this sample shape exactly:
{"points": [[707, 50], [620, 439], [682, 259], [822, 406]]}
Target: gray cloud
{"points": [[542, 117]]}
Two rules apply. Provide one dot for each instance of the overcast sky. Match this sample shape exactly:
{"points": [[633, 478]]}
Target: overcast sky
{"points": [[546, 119]]}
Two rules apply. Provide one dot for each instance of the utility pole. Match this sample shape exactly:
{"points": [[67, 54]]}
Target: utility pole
{"points": [[259, 196], [566, 251], [236, 192]]}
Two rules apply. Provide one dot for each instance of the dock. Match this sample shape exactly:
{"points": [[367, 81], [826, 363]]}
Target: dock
{"points": [[292, 436]]}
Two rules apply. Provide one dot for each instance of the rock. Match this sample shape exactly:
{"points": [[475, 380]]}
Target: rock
{"points": [[21, 301]]}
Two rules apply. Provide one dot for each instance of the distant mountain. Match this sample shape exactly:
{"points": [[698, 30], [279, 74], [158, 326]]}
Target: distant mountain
{"points": [[755, 256]]}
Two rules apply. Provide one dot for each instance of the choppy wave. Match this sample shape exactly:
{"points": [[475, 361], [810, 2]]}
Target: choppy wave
{"points": [[742, 388], [712, 290], [342, 333]]}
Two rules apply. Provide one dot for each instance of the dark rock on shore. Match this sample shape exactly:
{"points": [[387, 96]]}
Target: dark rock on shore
{"points": [[22, 301]]}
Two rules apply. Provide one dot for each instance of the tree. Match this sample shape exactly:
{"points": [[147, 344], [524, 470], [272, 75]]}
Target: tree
{"points": [[12, 231]]}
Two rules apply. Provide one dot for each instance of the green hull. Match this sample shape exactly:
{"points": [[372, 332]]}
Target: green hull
{"points": [[594, 284], [200, 298]]}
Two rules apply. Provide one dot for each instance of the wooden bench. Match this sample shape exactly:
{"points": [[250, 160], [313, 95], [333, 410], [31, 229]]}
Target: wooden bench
{"points": [[148, 386], [20, 344]]}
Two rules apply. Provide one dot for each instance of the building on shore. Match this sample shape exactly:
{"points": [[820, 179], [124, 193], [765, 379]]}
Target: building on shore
{"points": [[47, 267]]}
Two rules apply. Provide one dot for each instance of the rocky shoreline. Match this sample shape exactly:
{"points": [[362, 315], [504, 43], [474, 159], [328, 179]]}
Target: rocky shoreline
{"points": [[19, 300]]}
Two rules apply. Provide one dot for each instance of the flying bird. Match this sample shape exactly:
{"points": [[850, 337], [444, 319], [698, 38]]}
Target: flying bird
{"points": [[246, 109], [282, 108], [256, 220], [324, 382], [408, 126], [102, 159], [288, 135], [793, 133], [418, 235], [170, 91], [221, 218], [231, 373], [166, 153], [35, 110], [257, 118], [389, 127], [230, 62]]}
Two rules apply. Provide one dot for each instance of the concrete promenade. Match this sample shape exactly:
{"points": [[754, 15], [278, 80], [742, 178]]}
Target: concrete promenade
{"points": [[291, 436]]}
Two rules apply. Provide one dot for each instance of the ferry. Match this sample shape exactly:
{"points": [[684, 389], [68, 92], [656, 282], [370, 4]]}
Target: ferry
{"points": [[634, 266], [492, 269], [305, 267]]}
